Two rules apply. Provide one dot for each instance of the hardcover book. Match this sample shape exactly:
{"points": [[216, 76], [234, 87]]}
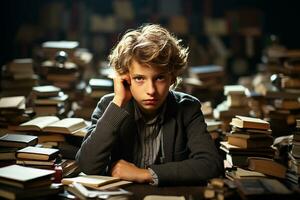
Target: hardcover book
{"points": [[248, 142], [37, 153], [8, 153], [250, 122], [267, 166], [261, 188], [232, 149], [18, 140], [46, 91], [9, 192], [234, 89], [16, 102], [251, 130], [61, 98], [25, 177], [96, 83]]}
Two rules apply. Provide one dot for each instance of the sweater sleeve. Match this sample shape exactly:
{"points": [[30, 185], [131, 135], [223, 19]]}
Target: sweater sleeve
{"points": [[94, 154]]}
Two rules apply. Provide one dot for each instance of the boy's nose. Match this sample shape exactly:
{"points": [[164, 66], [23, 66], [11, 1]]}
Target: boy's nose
{"points": [[150, 88]]}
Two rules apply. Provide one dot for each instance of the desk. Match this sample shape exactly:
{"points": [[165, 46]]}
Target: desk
{"points": [[141, 190]]}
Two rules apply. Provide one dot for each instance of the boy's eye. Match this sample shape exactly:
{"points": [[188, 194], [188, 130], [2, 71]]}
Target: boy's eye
{"points": [[138, 79], [161, 78]]}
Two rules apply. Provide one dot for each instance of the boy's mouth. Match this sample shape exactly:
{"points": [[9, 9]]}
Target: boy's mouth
{"points": [[150, 101]]}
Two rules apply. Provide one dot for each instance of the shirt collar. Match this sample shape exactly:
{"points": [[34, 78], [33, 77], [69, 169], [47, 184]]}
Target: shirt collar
{"points": [[138, 115]]}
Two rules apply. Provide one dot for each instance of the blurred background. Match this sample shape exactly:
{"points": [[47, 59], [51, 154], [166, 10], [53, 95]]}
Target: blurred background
{"points": [[230, 41], [217, 31]]}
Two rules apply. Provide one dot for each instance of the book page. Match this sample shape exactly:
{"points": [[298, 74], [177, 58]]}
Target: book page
{"points": [[20, 173], [40, 122], [251, 119], [66, 125], [163, 197], [11, 102], [90, 180]]}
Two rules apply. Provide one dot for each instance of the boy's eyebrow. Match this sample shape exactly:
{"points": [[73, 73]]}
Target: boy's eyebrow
{"points": [[137, 75], [159, 74]]}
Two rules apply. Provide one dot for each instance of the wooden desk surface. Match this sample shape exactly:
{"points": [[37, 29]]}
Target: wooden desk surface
{"points": [[189, 192]]}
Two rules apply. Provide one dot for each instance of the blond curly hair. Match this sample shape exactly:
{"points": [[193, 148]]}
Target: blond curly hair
{"points": [[150, 44]]}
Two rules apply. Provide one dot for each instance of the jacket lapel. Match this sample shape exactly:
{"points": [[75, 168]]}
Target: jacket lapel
{"points": [[169, 128], [128, 134]]}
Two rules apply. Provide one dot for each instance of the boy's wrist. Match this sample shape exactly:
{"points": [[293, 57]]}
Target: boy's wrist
{"points": [[118, 102], [146, 176]]}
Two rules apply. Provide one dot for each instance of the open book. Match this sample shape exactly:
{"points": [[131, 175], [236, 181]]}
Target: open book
{"points": [[90, 180], [53, 124], [95, 181], [86, 193]]}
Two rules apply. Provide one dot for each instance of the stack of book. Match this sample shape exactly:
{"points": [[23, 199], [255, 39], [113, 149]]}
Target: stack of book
{"points": [[19, 77], [66, 76], [37, 157], [82, 57], [50, 140], [214, 129], [250, 132], [256, 103], [50, 100], [50, 127], [76, 64], [26, 182], [205, 82], [236, 96], [209, 74], [50, 49], [282, 89], [13, 111], [10, 143], [287, 105], [267, 166], [249, 137], [235, 104], [97, 87], [237, 156]]}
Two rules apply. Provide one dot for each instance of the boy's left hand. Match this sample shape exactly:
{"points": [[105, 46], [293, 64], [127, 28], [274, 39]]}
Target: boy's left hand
{"points": [[122, 89], [128, 171]]}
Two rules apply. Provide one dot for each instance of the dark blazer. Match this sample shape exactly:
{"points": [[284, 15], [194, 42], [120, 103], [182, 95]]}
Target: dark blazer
{"points": [[190, 154]]}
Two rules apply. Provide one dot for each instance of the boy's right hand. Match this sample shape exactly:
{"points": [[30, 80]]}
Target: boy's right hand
{"points": [[122, 89]]}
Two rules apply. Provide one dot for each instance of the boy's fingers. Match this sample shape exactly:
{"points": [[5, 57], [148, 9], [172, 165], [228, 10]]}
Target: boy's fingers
{"points": [[126, 78]]}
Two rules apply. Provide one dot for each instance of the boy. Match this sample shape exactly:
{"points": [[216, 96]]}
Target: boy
{"points": [[145, 132]]}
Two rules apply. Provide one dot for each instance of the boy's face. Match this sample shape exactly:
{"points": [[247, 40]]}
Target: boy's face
{"points": [[149, 86]]}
